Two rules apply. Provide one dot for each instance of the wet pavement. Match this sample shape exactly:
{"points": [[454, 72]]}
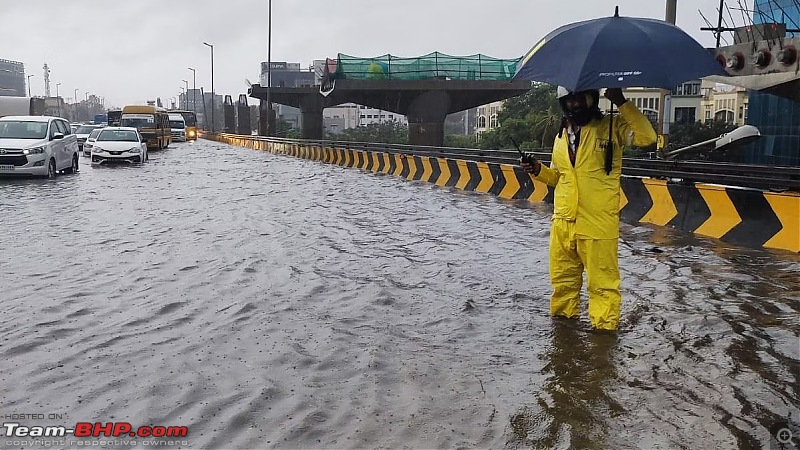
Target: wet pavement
{"points": [[271, 302]]}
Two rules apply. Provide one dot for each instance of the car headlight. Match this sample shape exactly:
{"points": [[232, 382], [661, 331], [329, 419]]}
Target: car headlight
{"points": [[33, 151], [134, 150], [97, 149]]}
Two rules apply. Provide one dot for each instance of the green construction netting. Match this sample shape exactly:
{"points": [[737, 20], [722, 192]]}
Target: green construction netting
{"points": [[432, 65]]}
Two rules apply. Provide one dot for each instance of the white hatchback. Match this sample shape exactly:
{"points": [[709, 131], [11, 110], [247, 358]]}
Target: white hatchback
{"points": [[37, 145], [119, 144], [87, 146]]}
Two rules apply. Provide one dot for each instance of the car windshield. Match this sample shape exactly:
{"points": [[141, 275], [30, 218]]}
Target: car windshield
{"points": [[19, 129], [94, 133], [118, 136], [84, 130], [175, 124], [138, 120]]}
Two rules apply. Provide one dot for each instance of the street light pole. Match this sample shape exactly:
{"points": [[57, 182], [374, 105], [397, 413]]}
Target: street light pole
{"points": [[186, 95], [58, 99], [269, 68], [194, 92], [75, 97], [666, 95], [212, 85], [29, 84]]}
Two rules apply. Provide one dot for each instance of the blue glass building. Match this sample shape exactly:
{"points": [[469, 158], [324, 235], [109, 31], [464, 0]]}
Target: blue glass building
{"points": [[777, 118]]}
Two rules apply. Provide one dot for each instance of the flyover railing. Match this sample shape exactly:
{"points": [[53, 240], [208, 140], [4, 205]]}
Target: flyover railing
{"points": [[774, 178]]}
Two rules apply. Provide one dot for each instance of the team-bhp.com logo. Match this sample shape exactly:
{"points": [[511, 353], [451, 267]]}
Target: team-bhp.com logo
{"points": [[97, 429]]}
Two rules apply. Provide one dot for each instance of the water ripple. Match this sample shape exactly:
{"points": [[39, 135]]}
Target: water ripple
{"points": [[266, 301]]}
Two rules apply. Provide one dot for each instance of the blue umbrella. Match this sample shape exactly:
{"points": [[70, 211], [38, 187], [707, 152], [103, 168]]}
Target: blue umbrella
{"points": [[617, 52]]}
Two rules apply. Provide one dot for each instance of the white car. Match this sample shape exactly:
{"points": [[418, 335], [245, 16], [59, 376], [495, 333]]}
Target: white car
{"points": [[83, 132], [87, 146], [37, 145], [119, 144]]}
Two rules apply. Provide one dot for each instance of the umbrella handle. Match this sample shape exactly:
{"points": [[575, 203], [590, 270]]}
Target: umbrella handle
{"points": [[610, 144]]}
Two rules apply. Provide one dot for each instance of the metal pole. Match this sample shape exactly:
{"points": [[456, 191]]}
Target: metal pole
{"points": [[672, 6], [269, 69], [194, 92], [719, 21], [666, 95], [58, 99], [212, 85], [186, 96]]}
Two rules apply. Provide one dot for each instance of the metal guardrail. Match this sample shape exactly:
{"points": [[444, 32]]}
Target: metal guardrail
{"points": [[774, 178]]}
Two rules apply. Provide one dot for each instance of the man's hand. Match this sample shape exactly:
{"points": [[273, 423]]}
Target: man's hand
{"points": [[615, 96], [530, 164]]}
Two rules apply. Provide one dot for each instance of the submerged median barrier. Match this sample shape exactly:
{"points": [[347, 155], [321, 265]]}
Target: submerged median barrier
{"points": [[753, 206]]}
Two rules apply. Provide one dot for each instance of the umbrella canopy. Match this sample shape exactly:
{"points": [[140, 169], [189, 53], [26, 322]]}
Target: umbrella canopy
{"points": [[617, 52]]}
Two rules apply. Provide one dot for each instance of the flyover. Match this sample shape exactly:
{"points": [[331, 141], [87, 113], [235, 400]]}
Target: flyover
{"points": [[426, 102]]}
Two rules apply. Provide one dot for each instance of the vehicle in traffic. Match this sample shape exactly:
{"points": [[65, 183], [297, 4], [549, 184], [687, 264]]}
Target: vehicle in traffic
{"points": [[22, 106], [177, 127], [87, 146], [124, 144], [37, 145], [100, 119], [82, 132], [190, 122], [114, 117], [151, 121]]}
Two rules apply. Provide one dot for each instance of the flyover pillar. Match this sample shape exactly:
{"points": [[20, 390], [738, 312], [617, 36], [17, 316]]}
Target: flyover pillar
{"points": [[426, 115], [311, 107]]}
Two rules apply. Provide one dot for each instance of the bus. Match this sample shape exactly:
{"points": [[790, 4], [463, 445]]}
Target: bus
{"points": [[191, 122], [152, 122]]}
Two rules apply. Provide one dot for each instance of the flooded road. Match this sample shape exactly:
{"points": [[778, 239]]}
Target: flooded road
{"points": [[271, 302]]}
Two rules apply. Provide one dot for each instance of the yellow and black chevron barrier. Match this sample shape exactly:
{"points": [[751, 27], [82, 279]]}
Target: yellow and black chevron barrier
{"points": [[743, 216]]}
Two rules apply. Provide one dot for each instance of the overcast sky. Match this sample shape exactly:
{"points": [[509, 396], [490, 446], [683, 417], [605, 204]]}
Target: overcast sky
{"points": [[133, 51]]}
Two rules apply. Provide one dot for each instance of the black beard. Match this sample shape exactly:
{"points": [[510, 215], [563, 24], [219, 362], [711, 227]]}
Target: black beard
{"points": [[580, 117]]}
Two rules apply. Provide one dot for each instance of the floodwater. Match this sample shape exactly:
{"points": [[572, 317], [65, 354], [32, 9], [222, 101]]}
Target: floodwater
{"points": [[271, 302]]}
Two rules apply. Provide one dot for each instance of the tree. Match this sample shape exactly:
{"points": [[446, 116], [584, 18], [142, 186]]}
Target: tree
{"points": [[684, 134], [391, 132], [460, 141], [283, 129], [531, 120]]}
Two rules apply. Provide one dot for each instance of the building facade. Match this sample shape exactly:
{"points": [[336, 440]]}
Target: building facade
{"points": [[12, 79], [338, 118], [726, 104], [486, 117], [286, 74], [777, 118], [368, 116]]}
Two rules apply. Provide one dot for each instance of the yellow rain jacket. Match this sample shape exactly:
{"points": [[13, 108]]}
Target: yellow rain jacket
{"points": [[586, 216]]}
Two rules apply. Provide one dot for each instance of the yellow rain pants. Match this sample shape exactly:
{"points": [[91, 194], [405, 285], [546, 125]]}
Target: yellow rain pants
{"points": [[569, 257]]}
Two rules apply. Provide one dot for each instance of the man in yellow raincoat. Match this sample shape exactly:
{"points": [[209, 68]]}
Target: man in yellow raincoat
{"points": [[585, 230]]}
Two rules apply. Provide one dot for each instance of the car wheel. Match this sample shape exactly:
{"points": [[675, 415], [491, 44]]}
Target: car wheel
{"points": [[74, 167], [51, 169]]}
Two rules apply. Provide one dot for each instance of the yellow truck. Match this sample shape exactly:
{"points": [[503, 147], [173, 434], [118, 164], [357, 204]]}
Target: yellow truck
{"points": [[152, 122]]}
